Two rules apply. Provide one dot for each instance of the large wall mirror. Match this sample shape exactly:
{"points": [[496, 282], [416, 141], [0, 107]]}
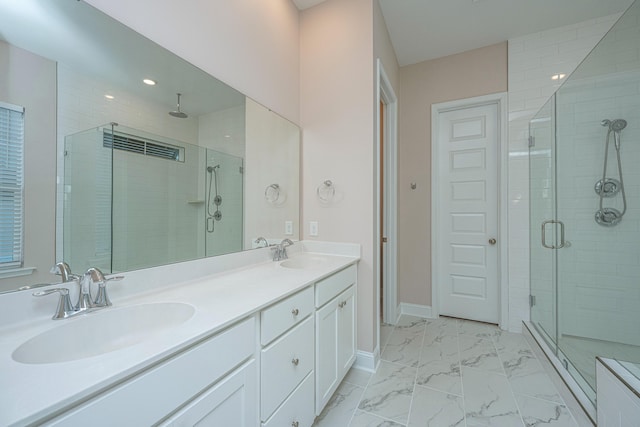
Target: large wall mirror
{"points": [[156, 161]]}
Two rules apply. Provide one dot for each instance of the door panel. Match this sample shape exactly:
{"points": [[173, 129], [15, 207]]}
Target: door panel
{"points": [[542, 207], [468, 183]]}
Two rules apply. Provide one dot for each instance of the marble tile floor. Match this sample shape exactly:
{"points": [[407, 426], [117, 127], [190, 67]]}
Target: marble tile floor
{"points": [[448, 372]]}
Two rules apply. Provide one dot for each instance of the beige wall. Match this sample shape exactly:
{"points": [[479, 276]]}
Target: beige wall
{"points": [[336, 115], [272, 157], [473, 73], [30, 82], [250, 45]]}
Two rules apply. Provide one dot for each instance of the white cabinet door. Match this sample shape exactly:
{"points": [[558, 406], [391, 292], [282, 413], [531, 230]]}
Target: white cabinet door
{"points": [[335, 345], [346, 330], [231, 402]]}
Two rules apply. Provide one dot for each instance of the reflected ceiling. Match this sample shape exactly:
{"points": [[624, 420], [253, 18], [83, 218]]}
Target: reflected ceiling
{"points": [[98, 46]]}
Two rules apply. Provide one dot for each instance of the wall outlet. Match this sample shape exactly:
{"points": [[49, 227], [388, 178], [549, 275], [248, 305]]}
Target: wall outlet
{"points": [[313, 228], [288, 228]]}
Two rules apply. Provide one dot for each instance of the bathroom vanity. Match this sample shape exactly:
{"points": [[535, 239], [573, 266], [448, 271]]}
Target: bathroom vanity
{"points": [[254, 343]]}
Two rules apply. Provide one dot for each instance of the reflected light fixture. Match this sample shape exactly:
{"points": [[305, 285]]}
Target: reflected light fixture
{"points": [[149, 82], [558, 76], [109, 96]]}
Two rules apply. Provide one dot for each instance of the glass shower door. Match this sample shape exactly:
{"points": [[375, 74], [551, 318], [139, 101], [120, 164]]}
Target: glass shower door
{"points": [[542, 213]]}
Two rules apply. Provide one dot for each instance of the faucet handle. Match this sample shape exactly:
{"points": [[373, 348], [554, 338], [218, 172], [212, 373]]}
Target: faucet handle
{"points": [[65, 308], [102, 299]]}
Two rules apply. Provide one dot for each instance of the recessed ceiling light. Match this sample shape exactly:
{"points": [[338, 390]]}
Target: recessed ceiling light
{"points": [[149, 82], [109, 96], [558, 76]]}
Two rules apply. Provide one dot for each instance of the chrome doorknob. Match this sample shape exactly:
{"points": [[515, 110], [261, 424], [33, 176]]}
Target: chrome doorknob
{"points": [[492, 241]]}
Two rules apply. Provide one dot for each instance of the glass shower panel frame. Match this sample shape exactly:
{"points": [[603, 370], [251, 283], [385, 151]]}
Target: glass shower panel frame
{"points": [[542, 211], [87, 214]]}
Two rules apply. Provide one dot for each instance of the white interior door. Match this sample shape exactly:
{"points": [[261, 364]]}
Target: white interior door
{"points": [[468, 141]]}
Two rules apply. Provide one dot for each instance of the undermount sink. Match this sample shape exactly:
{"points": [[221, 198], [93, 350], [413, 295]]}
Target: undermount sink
{"points": [[304, 262], [102, 332]]}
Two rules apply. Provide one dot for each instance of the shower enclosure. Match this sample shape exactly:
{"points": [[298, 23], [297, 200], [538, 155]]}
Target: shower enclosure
{"points": [[585, 210], [134, 200]]}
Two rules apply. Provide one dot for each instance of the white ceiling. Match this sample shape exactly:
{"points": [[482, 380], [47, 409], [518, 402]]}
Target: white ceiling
{"points": [[427, 29]]}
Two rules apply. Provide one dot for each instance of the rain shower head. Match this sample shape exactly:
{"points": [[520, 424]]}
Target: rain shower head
{"points": [[615, 125], [179, 114]]}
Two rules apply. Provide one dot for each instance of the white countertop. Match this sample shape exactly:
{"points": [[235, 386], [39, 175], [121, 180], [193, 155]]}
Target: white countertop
{"points": [[29, 392]]}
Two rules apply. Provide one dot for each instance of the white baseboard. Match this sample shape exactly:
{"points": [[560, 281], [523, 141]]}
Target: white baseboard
{"points": [[367, 361], [416, 310]]}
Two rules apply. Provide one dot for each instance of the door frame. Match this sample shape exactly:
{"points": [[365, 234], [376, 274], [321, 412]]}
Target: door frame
{"points": [[386, 94], [500, 99]]}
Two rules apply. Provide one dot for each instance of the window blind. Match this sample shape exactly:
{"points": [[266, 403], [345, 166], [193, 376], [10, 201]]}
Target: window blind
{"points": [[11, 185]]}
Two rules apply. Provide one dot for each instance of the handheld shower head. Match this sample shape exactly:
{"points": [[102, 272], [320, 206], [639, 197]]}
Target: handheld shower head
{"points": [[614, 125], [618, 124], [179, 114], [212, 168]]}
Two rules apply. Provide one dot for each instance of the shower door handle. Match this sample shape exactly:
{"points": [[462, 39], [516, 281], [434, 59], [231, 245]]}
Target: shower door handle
{"points": [[561, 235], [544, 235]]}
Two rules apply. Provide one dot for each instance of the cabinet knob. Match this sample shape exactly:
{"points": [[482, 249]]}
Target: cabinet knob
{"points": [[295, 311], [295, 424], [342, 304], [295, 361]]}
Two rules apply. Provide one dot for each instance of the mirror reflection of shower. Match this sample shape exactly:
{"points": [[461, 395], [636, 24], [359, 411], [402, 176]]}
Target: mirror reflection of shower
{"points": [[610, 187], [216, 215]]}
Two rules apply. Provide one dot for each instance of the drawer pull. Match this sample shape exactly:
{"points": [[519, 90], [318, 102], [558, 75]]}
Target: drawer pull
{"points": [[295, 311], [295, 424], [295, 361]]}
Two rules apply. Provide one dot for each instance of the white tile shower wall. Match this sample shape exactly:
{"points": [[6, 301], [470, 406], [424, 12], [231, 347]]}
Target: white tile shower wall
{"points": [[224, 133], [82, 106], [153, 222], [533, 59], [224, 235], [599, 271]]}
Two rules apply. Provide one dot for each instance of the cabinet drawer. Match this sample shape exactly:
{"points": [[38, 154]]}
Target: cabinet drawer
{"points": [[152, 395], [284, 364], [329, 287], [297, 408], [232, 401], [280, 317]]}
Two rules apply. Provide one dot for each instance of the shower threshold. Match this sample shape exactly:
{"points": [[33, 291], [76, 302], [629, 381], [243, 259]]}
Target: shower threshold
{"points": [[575, 398]]}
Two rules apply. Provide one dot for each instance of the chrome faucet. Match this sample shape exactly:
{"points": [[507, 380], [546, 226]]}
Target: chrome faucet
{"points": [[280, 251], [84, 294], [85, 302], [65, 308], [63, 270], [96, 276], [260, 240]]}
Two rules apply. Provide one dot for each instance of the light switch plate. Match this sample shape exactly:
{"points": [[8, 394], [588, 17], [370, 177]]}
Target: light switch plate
{"points": [[313, 228], [288, 228]]}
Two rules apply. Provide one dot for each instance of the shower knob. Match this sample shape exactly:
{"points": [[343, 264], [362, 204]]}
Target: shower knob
{"points": [[492, 241]]}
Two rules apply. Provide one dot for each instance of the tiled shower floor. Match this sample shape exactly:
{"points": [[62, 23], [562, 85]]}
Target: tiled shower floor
{"points": [[448, 372]]}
